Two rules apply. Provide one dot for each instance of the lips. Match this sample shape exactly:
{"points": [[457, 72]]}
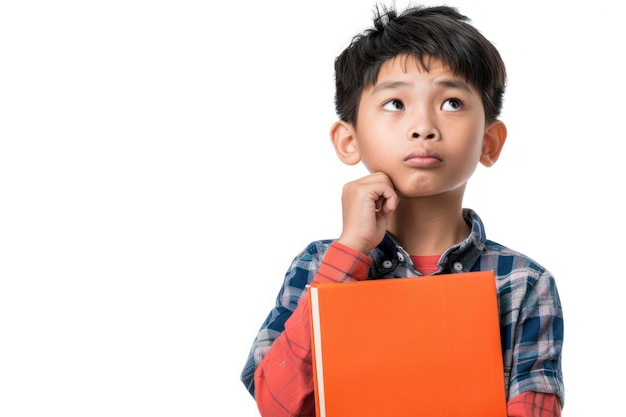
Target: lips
{"points": [[423, 158]]}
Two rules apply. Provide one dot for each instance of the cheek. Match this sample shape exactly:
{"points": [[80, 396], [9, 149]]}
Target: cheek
{"points": [[469, 152], [373, 160], [474, 142], [376, 155], [372, 147]]}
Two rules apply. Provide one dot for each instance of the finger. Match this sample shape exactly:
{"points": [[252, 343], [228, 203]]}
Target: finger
{"points": [[390, 204], [378, 205]]}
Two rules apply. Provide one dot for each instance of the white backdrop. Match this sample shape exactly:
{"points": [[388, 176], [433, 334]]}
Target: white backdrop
{"points": [[161, 162]]}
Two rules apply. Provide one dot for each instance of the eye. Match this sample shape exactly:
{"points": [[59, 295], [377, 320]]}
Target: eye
{"points": [[452, 104], [393, 105]]}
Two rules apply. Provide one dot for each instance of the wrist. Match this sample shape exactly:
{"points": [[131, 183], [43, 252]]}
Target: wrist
{"points": [[355, 244]]}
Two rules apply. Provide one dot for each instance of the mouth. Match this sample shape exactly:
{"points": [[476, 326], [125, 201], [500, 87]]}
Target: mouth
{"points": [[423, 159]]}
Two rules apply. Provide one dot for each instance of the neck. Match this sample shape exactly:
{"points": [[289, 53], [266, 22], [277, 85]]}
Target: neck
{"points": [[428, 226]]}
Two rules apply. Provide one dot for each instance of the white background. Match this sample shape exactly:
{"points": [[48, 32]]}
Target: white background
{"points": [[161, 162]]}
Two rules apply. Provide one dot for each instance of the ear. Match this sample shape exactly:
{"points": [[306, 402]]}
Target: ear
{"points": [[343, 136], [495, 136]]}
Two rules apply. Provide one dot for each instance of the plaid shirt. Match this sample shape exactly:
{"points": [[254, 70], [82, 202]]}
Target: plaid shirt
{"points": [[531, 321]]}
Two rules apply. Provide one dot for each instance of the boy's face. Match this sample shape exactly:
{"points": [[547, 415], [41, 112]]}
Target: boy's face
{"points": [[425, 130]]}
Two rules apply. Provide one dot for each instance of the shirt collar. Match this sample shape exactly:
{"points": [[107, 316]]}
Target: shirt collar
{"points": [[391, 261]]}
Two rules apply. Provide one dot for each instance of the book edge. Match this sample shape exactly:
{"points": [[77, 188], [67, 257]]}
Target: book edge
{"points": [[317, 346]]}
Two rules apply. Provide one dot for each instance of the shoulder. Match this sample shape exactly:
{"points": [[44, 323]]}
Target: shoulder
{"points": [[302, 271], [507, 260], [520, 279], [312, 255]]}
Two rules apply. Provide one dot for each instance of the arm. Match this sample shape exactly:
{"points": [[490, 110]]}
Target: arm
{"points": [[282, 368], [534, 340], [284, 379], [534, 404]]}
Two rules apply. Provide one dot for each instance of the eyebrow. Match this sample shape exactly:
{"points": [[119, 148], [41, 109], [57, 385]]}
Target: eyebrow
{"points": [[390, 85], [454, 83], [447, 83]]}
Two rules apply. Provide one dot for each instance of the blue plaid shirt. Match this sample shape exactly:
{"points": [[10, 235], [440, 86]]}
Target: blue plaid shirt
{"points": [[531, 320]]}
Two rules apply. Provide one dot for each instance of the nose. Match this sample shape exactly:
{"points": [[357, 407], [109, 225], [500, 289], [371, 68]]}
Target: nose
{"points": [[422, 126], [429, 135]]}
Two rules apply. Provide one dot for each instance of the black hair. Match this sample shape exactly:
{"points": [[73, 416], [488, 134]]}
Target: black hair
{"points": [[439, 32]]}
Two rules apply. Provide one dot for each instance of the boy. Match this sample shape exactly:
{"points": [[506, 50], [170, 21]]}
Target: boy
{"points": [[418, 98]]}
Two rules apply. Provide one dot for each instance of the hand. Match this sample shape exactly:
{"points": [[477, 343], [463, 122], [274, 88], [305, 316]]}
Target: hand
{"points": [[367, 206]]}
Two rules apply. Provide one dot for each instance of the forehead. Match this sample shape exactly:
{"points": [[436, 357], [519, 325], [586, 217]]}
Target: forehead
{"points": [[408, 72], [407, 64]]}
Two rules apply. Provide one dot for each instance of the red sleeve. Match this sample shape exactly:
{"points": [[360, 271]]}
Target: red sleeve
{"points": [[284, 379], [534, 404]]}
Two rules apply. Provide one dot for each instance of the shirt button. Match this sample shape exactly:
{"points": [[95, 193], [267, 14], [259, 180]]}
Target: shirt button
{"points": [[458, 266], [387, 264], [400, 257]]}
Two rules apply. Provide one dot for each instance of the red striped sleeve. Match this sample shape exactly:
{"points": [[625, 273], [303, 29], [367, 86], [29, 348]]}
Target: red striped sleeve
{"points": [[284, 378], [534, 404], [342, 263]]}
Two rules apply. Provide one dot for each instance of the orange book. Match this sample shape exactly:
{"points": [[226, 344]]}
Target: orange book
{"points": [[425, 346]]}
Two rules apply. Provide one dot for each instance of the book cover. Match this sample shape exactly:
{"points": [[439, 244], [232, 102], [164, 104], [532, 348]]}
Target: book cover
{"points": [[424, 346]]}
